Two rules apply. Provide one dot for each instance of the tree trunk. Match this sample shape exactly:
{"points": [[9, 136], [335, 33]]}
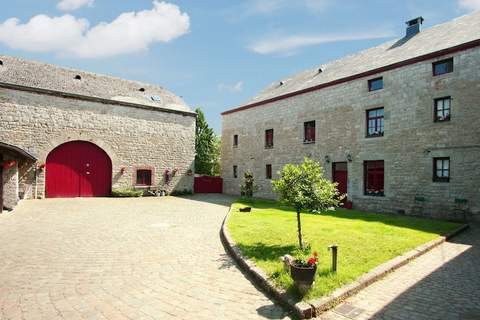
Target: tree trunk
{"points": [[300, 242]]}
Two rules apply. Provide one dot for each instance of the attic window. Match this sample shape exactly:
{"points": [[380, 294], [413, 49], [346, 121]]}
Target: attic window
{"points": [[78, 77], [141, 89], [156, 98], [320, 70], [281, 83], [1, 63]]}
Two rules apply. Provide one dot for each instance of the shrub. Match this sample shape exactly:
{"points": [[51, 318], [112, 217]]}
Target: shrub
{"points": [[127, 193]]}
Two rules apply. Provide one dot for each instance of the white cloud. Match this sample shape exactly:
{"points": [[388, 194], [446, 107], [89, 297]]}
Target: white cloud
{"points": [[289, 44], [130, 32], [469, 4], [70, 5], [236, 87]]}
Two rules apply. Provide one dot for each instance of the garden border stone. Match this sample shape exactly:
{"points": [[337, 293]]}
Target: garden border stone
{"points": [[313, 308]]}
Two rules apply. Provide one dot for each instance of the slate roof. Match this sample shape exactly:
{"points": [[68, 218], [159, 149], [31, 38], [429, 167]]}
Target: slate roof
{"points": [[455, 32], [51, 77]]}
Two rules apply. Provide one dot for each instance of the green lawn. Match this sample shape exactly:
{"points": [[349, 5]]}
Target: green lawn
{"points": [[365, 240]]}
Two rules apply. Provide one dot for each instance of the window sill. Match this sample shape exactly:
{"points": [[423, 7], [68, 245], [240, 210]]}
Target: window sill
{"points": [[440, 121], [235, 147], [438, 180], [308, 142], [268, 147], [374, 136]]}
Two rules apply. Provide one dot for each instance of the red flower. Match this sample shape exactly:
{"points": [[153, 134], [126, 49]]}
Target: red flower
{"points": [[312, 261]]}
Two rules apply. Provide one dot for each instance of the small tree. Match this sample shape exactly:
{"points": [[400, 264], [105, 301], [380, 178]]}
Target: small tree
{"points": [[304, 188], [207, 147], [248, 187]]}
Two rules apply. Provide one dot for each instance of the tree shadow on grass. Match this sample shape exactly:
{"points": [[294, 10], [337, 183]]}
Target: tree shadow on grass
{"points": [[391, 219], [261, 251]]}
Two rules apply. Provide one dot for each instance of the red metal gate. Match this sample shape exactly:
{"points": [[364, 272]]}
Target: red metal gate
{"points": [[206, 184], [78, 169]]}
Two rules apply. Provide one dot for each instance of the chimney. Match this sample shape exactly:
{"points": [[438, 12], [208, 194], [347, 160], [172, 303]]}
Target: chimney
{"points": [[413, 26]]}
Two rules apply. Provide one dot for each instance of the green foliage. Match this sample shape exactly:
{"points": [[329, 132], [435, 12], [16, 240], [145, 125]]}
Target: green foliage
{"points": [[207, 147], [304, 187], [127, 193], [248, 187], [365, 240], [184, 192]]}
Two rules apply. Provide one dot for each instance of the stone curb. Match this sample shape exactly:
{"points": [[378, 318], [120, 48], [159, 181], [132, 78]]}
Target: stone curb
{"points": [[313, 308]]}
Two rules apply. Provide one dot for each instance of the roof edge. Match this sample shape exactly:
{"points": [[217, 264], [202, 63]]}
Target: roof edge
{"points": [[92, 99], [396, 65], [18, 150]]}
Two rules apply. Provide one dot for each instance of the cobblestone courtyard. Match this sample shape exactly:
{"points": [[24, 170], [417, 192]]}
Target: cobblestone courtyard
{"points": [[161, 258], [147, 258]]}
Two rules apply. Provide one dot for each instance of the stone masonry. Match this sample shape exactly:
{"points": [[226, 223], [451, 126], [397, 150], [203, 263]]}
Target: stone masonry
{"points": [[410, 142], [134, 133]]}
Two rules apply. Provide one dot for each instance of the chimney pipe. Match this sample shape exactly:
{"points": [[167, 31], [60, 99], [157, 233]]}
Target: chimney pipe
{"points": [[413, 26]]}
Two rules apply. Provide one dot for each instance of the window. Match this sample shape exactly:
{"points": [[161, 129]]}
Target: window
{"points": [[268, 171], [375, 122], [374, 178], [235, 171], [441, 169], [144, 177], [309, 131], [375, 84], [441, 110], [235, 140], [269, 138], [442, 67]]}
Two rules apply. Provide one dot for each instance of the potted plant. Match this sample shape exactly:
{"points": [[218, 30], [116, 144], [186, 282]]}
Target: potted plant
{"points": [[303, 272]]}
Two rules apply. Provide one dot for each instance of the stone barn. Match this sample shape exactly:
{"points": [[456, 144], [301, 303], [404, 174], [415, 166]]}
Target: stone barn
{"points": [[69, 133]]}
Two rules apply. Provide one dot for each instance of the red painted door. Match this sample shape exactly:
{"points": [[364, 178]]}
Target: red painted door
{"points": [[78, 169], [207, 184], [340, 175]]}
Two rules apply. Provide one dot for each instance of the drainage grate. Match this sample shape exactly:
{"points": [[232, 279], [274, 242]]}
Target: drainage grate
{"points": [[349, 311]]}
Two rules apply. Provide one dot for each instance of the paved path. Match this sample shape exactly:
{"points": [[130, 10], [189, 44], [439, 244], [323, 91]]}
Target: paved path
{"points": [[443, 284], [147, 258]]}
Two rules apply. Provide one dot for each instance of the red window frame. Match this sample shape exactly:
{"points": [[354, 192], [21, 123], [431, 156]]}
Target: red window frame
{"points": [[374, 178], [309, 131], [268, 171], [375, 122], [441, 173], [448, 67], [235, 171], [269, 138], [235, 140], [372, 81], [143, 177], [443, 113]]}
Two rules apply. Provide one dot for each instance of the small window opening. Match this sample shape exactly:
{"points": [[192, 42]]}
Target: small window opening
{"points": [[1, 63], [141, 89], [78, 77]]}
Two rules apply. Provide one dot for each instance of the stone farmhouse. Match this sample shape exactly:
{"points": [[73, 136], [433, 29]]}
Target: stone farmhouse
{"points": [[397, 125], [68, 133]]}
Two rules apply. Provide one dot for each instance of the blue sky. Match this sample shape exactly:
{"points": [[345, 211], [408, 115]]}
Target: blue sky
{"points": [[215, 54]]}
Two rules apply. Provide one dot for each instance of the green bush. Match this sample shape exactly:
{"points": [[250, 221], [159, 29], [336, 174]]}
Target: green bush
{"points": [[127, 193], [184, 192]]}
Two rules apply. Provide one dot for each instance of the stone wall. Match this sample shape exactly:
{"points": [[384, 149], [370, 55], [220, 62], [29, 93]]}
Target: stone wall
{"points": [[132, 137], [411, 140]]}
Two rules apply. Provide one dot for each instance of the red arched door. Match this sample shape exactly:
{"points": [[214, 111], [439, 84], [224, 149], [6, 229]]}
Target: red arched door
{"points": [[78, 169]]}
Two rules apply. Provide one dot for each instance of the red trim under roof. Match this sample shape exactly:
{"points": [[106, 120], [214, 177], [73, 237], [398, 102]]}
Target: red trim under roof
{"points": [[432, 55]]}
